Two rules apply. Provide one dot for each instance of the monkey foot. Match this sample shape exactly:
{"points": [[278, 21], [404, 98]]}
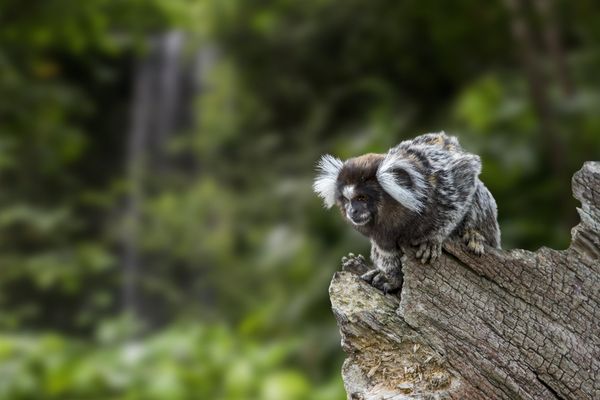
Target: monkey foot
{"points": [[355, 264], [475, 242], [428, 251]]}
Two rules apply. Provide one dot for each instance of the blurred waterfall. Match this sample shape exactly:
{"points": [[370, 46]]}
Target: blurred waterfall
{"points": [[165, 86]]}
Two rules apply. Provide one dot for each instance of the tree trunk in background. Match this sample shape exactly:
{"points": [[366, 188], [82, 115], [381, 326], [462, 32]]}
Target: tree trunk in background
{"points": [[507, 325], [554, 46], [535, 75], [166, 83], [153, 117]]}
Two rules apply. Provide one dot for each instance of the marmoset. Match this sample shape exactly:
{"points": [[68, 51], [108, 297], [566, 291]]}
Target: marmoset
{"points": [[420, 193]]}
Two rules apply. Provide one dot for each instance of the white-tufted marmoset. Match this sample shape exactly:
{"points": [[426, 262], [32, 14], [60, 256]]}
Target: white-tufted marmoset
{"points": [[421, 193]]}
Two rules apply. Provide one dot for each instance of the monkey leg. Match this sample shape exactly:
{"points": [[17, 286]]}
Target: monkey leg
{"points": [[479, 227]]}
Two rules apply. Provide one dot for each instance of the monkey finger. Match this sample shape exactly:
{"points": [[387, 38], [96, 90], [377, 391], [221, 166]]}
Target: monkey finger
{"points": [[420, 251], [426, 255], [423, 252]]}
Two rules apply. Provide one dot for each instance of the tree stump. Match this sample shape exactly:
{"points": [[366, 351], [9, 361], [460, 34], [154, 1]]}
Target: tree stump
{"points": [[507, 325]]}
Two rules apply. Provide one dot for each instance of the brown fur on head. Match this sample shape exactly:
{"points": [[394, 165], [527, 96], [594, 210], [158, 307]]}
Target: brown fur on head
{"points": [[360, 169], [355, 187]]}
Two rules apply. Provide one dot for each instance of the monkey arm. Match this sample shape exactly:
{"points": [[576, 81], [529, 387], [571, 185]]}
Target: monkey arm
{"points": [[387, 275]]}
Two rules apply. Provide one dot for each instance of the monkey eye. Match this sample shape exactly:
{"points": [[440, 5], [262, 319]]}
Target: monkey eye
{"points": [[361, 197]]}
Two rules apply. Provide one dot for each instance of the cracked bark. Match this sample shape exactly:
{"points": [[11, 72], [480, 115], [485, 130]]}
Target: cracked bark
{"points": [[507, 325]]}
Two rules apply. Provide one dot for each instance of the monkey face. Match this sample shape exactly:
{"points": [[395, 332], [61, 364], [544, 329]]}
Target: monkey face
{"points": [[357, 204]]}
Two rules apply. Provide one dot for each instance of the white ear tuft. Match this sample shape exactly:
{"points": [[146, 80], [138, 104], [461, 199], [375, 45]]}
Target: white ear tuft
{"points": [[410, 197], [328, 169]]}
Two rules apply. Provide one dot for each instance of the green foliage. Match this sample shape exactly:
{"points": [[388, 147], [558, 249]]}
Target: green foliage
{"points": [[235, 237], [496, 115], [183, 362]]}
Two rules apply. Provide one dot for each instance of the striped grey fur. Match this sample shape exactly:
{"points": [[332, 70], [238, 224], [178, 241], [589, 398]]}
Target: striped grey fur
{"points": [[421, 193]]}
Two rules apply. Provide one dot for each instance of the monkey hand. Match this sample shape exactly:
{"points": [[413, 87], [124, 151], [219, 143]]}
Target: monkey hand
{"points": [[355, 264], [474, 241], [379, 280]]}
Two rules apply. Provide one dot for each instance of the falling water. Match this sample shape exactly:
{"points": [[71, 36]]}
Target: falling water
{"points": [[164, 90]]}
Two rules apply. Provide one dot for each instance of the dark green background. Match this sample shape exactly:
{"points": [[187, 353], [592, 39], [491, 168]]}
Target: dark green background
{"points": [[237, 252]]}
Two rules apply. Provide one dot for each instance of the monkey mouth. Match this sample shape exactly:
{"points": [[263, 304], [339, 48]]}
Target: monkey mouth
{"points": [[362, 219]]}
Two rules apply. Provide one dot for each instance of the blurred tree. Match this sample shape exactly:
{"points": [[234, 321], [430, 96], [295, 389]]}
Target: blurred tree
{"points": [[230, 233], [63, 81]]}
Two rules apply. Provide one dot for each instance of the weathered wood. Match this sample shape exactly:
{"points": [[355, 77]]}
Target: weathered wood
{"points": [[507, 325]]}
